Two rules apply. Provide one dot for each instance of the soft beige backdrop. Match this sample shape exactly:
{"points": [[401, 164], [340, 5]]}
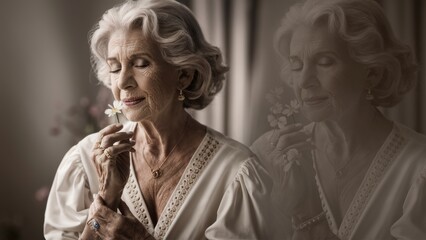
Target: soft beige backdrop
{"points": [[45, 70], [246, 34]]}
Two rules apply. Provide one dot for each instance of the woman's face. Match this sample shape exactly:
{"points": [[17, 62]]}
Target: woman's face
{"points": [[325, 79], [141, 78]]}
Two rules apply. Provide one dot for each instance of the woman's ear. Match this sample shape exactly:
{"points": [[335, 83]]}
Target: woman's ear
{"points": [[185, 77], [374, 76]]}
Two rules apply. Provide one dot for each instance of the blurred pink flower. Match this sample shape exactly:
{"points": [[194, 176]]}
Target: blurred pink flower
{"points": [[41, 194], [84, 117]]}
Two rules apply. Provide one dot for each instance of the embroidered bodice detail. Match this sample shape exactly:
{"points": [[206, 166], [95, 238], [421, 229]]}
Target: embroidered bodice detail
{"points": [[199, 160], [385, 156], [140, 207]]}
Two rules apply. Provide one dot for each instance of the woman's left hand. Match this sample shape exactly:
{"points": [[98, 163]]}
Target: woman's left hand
{"points": [[112, 161], [113, 225]]}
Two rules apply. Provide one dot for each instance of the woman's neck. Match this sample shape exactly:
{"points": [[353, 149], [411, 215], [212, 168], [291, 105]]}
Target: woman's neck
{"points": [[158, 138], [364, 129]]}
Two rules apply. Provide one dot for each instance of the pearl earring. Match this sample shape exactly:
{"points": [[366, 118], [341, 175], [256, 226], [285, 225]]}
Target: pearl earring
{"points": [[369, 95], [181, 97]]}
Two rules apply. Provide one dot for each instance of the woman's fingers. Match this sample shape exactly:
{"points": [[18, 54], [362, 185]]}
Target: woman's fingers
{"points": [[287, 140], [114, 138], [277, 133], [113, 151], [113, 225], [281, 138], [110, 129], [112, 143], [304, 146]]}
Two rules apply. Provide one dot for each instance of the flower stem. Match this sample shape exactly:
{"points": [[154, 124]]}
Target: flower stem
{"points": [[118, 119]]}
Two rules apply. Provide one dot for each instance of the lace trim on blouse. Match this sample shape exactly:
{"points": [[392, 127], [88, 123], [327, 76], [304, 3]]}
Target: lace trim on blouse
{"points": [[372, 178], [201, 157]]}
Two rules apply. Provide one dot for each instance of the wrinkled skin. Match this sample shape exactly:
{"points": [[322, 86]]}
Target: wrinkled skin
{"points": [[113, 172], [291, 185], [148, 86], [115, 225], [295, 190]]}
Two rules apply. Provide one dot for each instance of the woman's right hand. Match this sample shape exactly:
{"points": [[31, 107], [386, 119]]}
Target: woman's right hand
{"points": [[112, 161], [104, 223], [286, 153]]}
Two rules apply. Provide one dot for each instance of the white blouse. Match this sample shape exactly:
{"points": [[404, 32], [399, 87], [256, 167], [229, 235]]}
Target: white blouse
{"points": [[391, 200], [223, 194]]}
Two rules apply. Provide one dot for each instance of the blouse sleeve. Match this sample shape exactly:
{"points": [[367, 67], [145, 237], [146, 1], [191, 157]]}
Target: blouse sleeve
{"points": [[244, 211], [412, 224], [69, 199], [281, 223]]}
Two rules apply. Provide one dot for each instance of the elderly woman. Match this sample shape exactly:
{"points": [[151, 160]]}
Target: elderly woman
{"points": [[169, 176], [352, 173]]}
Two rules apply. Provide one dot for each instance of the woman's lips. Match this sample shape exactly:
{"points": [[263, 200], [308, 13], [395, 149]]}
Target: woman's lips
{"points": [[314, 100], [132, 101]]}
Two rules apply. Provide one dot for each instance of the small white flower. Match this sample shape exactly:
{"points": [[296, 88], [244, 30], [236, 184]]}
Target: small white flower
{"points": [[292, 108], [292, 154], [275, 95], [277, 108], [273, 121], [116, 108], [291, 158], [282, 121]]}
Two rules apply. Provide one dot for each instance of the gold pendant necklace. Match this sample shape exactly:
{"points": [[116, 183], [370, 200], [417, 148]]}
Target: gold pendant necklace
{"points": [[156, 173]]}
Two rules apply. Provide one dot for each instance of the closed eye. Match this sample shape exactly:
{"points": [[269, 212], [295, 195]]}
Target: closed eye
{"points": [[114, 68], [325, 61], [141, 63], [295, 63]]}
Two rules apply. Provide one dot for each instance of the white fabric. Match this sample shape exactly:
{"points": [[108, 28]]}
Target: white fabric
{"points": [[223, 194], [391, 201]]}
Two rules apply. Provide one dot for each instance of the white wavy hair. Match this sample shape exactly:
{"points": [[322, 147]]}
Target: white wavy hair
{"points": [[364, 28], [172, 26]]}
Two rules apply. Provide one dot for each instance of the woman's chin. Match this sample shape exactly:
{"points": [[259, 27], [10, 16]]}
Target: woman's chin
{"points": [[317, 115], [135, 116]]}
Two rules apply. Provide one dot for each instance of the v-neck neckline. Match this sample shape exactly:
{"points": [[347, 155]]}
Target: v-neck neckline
{"points": [[204, 152], [383, 158]]}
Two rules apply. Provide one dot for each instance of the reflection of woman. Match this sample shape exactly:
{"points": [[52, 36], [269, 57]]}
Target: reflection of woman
{"points": [[170, 176], [343, 61]]}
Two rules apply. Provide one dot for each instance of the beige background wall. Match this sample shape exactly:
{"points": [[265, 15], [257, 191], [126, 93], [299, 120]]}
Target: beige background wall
{"points": [[45, 71]]}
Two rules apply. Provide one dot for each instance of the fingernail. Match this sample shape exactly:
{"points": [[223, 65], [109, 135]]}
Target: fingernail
{"points": [[130, 133], [118, 125]]}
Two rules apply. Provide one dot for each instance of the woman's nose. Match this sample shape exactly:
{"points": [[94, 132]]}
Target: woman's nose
{"points": [[308, 77], [126, 79]]}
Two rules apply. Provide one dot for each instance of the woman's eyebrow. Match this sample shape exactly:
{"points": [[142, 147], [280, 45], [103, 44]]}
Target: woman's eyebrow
{"points": [[133, 56], [314, 54], [321, 52], [111, 59], [140, 54]]}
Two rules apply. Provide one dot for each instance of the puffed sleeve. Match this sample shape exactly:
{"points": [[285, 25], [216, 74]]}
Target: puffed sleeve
{"points": [[69, 199], [244, 212], [281, 222], [412, 224]]}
